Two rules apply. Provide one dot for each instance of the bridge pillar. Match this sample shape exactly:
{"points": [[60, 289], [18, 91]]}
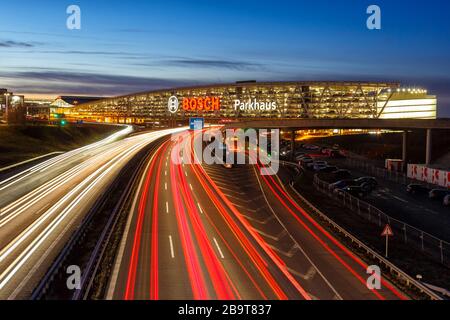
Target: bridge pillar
{"points": [[405, 147], [428, 148], [292, 144]]}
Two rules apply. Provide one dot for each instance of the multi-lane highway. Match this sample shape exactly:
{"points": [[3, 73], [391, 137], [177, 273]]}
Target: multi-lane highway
{"points": [[42, 205], [187, 237]]}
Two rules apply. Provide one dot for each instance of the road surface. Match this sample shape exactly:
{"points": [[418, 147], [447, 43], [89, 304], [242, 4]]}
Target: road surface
{"points": [[42, 205], [190, 235]]}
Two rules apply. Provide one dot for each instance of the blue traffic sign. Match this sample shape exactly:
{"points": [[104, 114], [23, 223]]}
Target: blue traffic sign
{"points": [[196, 123]]}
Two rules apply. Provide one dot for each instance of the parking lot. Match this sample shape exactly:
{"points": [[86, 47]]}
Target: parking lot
{"points": [[416, 210]]}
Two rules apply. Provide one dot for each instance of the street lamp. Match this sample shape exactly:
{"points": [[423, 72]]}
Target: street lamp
{"points": [[7, 94]]}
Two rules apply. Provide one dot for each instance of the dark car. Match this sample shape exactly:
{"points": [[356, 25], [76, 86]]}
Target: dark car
{"points": [[342, 174], [367, 181], [335, 154], [417, 189], [438, 194], [446, 201], [329, 169], [356, 191], [342, 184]]}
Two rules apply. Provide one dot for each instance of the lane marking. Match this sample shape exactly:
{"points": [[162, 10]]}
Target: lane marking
{"points": [[172, 251], [339, 297], [200, 207], [167, 207], [165, 173], [431, 211], [165, 186], [185, 173], [218, 248], [190, 186], [400, 199]]}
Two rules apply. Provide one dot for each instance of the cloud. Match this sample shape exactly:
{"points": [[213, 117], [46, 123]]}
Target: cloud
{"points": [[66, 82], [211, 63], [15, 44], [88, 52]]}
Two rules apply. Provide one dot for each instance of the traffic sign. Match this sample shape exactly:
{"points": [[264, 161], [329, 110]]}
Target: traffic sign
{"points": [[387, 231], [196, 123]]}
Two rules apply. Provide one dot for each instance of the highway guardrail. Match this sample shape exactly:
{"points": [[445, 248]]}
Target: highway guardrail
{"points": [[394, 270]]}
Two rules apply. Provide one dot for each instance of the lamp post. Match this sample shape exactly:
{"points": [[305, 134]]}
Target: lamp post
{"points": [[7, 94]]}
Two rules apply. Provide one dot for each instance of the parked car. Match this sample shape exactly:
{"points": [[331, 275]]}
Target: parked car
{"points": [[311, 147], [356, 191], [335, 154], [342, 184], [414, 188], [315, 165], [329, 169], [342, 174], [319, 166], [446, 201], [305, 162], [438, 194], [300, 157], [367, 180], [310, 164]]}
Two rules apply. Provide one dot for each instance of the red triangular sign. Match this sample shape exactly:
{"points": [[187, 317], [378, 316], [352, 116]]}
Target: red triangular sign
{"points": [[387, 231]]}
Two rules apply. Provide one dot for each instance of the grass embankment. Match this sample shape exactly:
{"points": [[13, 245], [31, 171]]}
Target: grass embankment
{"points": [[19, 143]]}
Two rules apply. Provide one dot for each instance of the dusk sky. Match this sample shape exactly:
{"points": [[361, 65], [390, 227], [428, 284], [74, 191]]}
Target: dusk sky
{"points": [[131, 46]]}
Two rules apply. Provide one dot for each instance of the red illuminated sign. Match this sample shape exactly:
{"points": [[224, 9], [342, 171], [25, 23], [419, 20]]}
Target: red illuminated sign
{"points": [[201, 104]]}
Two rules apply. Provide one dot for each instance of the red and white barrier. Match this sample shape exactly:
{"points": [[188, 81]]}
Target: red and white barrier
{"points": [[430, 175]]}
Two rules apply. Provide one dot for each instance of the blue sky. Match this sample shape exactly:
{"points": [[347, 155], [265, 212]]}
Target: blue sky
{"points": [[130, 46]]}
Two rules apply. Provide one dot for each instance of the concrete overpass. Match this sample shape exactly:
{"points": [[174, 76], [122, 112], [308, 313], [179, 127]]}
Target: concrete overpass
{"points": [[393, 124]]}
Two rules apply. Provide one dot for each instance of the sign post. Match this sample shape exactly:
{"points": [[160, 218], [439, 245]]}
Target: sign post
{"points": [[387, 232]]}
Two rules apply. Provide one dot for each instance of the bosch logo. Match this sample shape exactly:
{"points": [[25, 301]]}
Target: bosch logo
{"points": [[173, 104], [201, 104]]}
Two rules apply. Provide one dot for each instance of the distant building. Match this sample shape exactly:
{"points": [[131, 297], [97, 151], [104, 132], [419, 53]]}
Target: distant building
{"points": [[265, 100], [12, 107], [38, 109], [63, 105]]}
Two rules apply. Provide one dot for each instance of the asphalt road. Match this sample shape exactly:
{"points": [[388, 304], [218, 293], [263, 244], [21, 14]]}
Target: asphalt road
{"points": [[205, 232], [42, 205]]}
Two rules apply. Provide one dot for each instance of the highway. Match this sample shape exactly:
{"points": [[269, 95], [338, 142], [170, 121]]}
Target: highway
{"points": [[190, 235], [42, 205]]}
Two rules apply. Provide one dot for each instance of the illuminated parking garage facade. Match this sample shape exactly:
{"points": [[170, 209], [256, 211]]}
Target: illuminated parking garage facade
{"points": [[263, 100]]}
